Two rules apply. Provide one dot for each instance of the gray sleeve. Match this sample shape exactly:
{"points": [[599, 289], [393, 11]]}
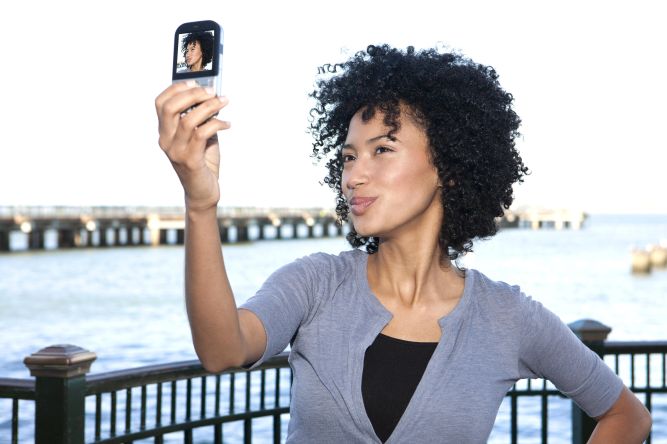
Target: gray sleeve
{"points": [[550, 350], [282, 303]]}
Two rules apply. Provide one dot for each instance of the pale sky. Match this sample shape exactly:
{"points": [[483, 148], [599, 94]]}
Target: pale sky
{"points": [[78, 125]]}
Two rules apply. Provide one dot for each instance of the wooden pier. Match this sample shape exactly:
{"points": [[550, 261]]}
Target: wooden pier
{"points": [[537, 218], [48, 227], [72, 227]]}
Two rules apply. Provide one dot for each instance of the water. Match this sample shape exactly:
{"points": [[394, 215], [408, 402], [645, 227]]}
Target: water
{"points": [[126, 304]]}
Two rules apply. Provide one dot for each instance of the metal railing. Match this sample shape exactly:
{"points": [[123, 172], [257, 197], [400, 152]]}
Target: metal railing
{"points": [[182, 402], [183, 397]]}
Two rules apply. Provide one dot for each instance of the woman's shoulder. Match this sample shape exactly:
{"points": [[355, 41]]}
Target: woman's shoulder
{"points": [[323, 266], [344, 260], [496, 294]]}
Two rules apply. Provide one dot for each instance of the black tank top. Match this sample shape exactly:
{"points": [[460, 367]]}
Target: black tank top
{"points": [[392, 369]]}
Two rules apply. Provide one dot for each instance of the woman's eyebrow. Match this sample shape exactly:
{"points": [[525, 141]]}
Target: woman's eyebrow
{"points": [[373, 139]]}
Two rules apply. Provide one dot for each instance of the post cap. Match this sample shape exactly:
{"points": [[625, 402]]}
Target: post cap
{"points": [[590, 330], [60, 361]]}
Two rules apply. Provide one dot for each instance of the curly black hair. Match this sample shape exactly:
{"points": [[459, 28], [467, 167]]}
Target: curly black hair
{"points": [[466, 115], [205, 40]]}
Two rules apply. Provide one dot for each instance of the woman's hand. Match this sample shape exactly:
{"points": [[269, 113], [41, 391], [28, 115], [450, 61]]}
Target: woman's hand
{"points": [[190, 140]]}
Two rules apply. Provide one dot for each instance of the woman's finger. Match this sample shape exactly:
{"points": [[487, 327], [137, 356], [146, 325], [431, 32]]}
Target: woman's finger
{"points": [[169, 92], [186, 99], [175, 101], [209, 129], [192, 140], [189, 122], [205, 110]]}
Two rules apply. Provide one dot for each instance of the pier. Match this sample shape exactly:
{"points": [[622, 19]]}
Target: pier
{"points": [[72, 227], [63, 227], [537, 218]]}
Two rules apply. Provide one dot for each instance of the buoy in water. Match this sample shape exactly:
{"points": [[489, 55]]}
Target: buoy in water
{"points": [[658, 255], [641, 262]]}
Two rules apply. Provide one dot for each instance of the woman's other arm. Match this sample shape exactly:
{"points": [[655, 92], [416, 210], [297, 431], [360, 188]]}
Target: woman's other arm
{"points": [[223, 336], [626, 422], [552, 351]]}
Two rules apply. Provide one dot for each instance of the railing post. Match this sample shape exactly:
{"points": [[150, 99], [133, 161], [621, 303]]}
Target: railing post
{"points": [[60, 390], [593, 334]]}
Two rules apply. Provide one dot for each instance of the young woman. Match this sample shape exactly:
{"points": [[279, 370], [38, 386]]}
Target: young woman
{"points": [[197, 48], [393, 342]]}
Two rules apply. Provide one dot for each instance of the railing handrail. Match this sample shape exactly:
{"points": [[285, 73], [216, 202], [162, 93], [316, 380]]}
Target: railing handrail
{"points": [[615, 347], [174, 371], [17, 388], [151, 374]]}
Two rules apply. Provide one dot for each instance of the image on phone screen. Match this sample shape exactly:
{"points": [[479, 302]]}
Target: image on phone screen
{"points": [[197, 50]]}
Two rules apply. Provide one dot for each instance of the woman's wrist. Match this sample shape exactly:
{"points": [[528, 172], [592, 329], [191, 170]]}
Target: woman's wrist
{"points": [[194, 211]]}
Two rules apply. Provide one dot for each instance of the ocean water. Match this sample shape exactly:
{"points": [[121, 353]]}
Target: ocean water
{"points": [[126, 304]]}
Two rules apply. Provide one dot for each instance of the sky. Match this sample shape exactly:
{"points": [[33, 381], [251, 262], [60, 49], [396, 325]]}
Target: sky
{"points": [[78, 123]]}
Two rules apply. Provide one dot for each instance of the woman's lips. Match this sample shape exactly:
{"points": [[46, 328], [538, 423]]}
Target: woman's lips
{"points": [[359, 205]]}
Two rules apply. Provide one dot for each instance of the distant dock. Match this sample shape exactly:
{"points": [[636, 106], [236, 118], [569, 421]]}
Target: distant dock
{"points": [[536, 218], [63, 227]]}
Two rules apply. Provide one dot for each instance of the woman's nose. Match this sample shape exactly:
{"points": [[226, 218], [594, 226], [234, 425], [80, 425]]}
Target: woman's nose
{"points": [[357, 174]]}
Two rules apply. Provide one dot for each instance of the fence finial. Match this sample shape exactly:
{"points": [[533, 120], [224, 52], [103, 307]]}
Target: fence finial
{"points": [[60, 361], [60, 392], [590, 330]]}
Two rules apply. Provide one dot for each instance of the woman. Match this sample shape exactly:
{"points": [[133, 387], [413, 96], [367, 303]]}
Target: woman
{"points": [[197, 49], [392, 343]]}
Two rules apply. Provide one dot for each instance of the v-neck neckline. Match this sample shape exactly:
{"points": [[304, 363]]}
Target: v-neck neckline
{"points": [[449, 324]]}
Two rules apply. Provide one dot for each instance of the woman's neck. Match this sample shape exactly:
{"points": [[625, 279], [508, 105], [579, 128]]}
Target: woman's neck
{"points": [[413, 274]]}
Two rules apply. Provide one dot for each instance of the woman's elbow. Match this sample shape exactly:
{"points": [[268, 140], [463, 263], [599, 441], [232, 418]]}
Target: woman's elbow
{"points": [[641, 418], [645, 421], [217, 363], [627, 421]]}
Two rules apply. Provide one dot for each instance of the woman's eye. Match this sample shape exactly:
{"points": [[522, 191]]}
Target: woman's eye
{"points": [[347, 157], [382, 149]]}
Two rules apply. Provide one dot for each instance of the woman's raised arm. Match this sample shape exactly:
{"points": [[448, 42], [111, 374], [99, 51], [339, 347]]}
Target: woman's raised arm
{"points": [[223, 336]]}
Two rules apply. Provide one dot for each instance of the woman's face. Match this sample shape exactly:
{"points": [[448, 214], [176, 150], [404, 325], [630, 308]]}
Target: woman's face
{"points": [[390, 183], [193, 54]]}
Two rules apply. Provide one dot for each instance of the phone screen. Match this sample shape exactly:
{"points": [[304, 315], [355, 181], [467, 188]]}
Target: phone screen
{"points": [[197, 51]]}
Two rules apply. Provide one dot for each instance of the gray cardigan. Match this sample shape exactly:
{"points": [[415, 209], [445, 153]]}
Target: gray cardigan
{"points": [[493, 337]]}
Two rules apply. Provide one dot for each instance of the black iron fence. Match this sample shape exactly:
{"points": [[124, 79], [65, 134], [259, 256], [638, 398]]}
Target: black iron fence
{"points": [[182, 402]]}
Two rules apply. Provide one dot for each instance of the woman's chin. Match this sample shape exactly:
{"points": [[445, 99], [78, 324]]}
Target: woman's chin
{"points": [[365, 231]]}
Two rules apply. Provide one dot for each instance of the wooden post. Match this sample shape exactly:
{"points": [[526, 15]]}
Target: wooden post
{"points": [[89, 238], [65, 238], [4, 240], [36, 239], [224, 234], [60, 392], [242, 232], [104, 239], [593, 334]]}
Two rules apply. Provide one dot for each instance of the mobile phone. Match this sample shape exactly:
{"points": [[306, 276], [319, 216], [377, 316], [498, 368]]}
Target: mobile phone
{"points": [[198, 54]]}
